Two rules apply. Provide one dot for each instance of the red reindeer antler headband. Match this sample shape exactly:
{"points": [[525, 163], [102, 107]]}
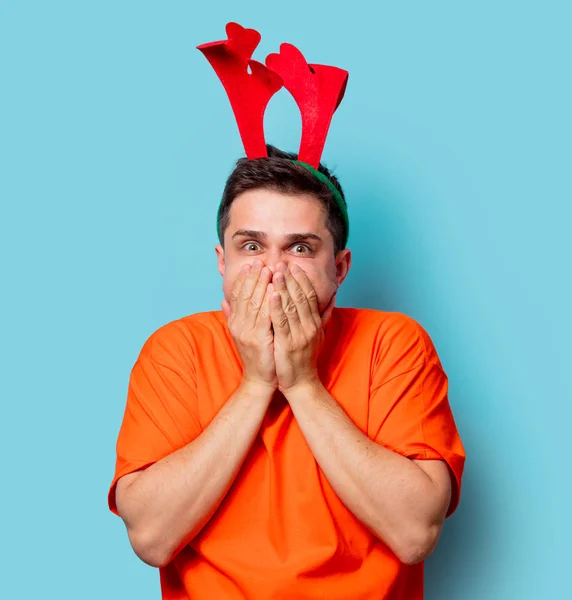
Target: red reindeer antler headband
{"points": [[248, 92], [317, 90]]}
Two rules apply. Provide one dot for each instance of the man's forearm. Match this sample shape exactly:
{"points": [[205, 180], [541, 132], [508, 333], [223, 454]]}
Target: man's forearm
{"points": [[166, 505], [387, 492]]}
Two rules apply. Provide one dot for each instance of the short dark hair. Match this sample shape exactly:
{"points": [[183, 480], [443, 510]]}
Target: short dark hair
{"points": [[278, 173]]}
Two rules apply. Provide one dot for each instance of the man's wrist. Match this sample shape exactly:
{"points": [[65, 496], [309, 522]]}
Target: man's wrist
{"points": [[304, 389], [257, 390]]}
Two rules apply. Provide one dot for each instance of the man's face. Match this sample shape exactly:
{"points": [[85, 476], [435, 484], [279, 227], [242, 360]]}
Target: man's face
{"points": [[276, 227]]}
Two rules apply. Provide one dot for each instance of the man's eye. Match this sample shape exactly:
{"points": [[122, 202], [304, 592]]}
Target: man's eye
{"points": [[301, 249], [251, 247]]}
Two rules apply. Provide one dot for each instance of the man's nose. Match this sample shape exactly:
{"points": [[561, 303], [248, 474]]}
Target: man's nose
{"points": [[273, 266], [273, 258]]}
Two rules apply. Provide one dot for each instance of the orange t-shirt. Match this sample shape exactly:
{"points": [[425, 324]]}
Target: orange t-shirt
{"points": [[281, 531]]}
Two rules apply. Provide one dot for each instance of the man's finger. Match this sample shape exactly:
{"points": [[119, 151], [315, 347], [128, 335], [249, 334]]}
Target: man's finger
{"points": [[311, 295], [280, 321], [254, 305], [264, 311], [263, 320], [237, 286], [288, 305], [300, 299], [245, 292]]}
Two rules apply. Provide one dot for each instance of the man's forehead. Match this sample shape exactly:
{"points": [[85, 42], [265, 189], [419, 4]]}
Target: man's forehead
{"points": [[264, 204], [264, 210]]}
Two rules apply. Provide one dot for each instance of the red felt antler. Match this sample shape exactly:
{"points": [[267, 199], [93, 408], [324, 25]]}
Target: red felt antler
{"points": [[317, 90], [249, 93]]}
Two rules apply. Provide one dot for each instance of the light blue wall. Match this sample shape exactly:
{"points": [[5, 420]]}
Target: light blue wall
{"points": [[454, 147]]}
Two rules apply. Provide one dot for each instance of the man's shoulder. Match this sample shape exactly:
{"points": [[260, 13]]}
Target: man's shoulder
{"points": [[368, 317], [203, 322], [182, 335], [389, 331]]}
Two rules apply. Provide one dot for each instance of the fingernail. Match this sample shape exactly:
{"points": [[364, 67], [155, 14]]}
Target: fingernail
{"points": [[279, 277], [257, 265], [295, 269], [245, 268]]}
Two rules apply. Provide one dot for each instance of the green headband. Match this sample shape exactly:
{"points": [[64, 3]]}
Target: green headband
{"points": [[335, 192]]}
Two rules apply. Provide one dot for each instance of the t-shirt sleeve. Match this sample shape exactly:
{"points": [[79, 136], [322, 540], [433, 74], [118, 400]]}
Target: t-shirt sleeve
{"points": [[161, 413], [410, 412]]}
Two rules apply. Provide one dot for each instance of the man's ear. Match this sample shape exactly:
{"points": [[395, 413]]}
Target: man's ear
{"points": [[343, 264], [220, 258]]}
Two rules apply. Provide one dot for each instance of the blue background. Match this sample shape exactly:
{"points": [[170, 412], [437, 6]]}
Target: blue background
{"points": [[453, 144]]}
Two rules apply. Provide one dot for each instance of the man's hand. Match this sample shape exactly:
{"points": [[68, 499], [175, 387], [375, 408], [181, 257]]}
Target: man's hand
{"points": [[298, 327], [248, 318]]}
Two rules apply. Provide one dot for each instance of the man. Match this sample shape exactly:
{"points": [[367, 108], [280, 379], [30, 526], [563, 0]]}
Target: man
{"points": [[284, 447]]}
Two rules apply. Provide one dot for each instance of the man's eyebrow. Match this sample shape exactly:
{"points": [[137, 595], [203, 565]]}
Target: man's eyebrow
{"points": [[250, 233], [290, 238], [301, 237]]}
